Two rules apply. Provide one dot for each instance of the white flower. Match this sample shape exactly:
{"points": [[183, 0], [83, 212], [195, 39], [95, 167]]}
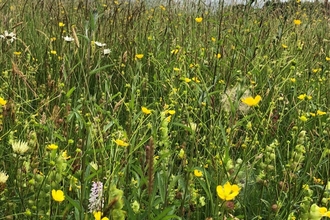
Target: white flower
{"points": [[10, 37], [3, 177], [99, 44], [94, 165], [20, 147], [68, 39], [106, 51]]}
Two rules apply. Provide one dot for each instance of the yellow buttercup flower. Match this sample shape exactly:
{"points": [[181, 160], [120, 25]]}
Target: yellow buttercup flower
{"points": [[139, 56], [319, 112], [146, 110], [303, 118], [58, 195], [199, 19], [2, 101], [187, 80], [297, 22], [121, 143], [250, 101], [52, 147], [61, 24], [98, 215], [198, 173], [228, 191]]}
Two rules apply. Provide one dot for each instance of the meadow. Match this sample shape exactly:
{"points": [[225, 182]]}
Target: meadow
{"points": [[127, 110]]}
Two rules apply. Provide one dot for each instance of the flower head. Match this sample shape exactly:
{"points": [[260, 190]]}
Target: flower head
{"points": [[10, 37], [250, 101], [99, 44], [98, 215], [2, 101], [297, 22], [198, 173], [52, 147], [121, 143], [68, 39], [106, 51], [319, 112], [228, 191], [20, 147], [58, 195], [145, 110], [199, 19], [61, 24], [3, 177], [139, 56], [95, 198]]}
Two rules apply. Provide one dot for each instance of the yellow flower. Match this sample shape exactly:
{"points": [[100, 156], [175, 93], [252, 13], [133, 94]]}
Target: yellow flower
{"points": [[17, 53], [58, 195], [65, 155], [316, 212], [146, 110], [171, 112], [327, 58], [198, 173], [284, 46], [213, 39], [250, 101], [121, 143], [312, 114], [228, 191], [195, 79], [176, 69], [175, 51], [319, 112], [2, 101], [98, 215], [304, 96], [297, 22], [61, 24], [53, 52], [293, 80], [218, 56], [303, 118], [52, 147], [199, 19], [187, 80], [139, 56]]}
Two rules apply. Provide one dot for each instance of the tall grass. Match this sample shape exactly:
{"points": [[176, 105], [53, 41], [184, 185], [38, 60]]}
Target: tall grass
{"points": [[159, 122]]}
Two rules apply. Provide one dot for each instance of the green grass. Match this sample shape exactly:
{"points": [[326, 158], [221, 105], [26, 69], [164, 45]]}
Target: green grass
{"points": [[193, 77]]}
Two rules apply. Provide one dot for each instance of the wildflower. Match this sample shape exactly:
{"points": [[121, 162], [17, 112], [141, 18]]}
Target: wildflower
{"points": [[3, 102], [213, 39], [293, 80], [175, 51], [61, 24], [53, 52], [58, 195], [98, 215], [199, 19], [303, 118], [52, 39], [304, 97], [106, 51], [319, 112], [52, 147], [195, 79], [218, 56], [250, 101], [3, 177], [176, 69], [17, 53], [327, 58], [139, 56], [146, 110], [65, 155], [68, 39], [187, 80], [135, 206], [20, 147], [95, 197], [99, 44], [228, 191], [121, 143], [284, 46], [316, 212], [10, 37], [94, 165], [198, 173], [312, 114], [297, 22], [171, 112], [181, 154]]}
